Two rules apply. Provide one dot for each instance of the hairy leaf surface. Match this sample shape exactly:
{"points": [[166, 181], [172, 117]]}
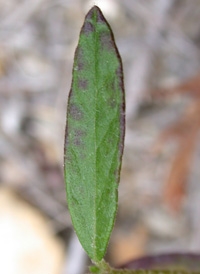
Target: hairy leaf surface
{"points": [[94, 135]]}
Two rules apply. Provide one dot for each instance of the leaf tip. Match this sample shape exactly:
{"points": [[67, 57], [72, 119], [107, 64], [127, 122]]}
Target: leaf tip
{"points": [[96, 11]]}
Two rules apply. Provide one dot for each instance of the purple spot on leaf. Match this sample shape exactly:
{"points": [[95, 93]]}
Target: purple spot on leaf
{"points": [[79, 58], [107, 41], [82, 83], [78, 137], [100, 17], [87, 28], [75, 112]]}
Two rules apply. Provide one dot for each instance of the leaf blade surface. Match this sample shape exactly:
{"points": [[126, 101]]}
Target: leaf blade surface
{"points": [[94, 135]]}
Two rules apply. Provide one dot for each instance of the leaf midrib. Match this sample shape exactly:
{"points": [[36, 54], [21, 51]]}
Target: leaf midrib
{"points": [[95, 142]]}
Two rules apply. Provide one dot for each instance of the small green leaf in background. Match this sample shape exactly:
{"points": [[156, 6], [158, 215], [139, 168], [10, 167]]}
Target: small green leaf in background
{"points": [[94, 135]]}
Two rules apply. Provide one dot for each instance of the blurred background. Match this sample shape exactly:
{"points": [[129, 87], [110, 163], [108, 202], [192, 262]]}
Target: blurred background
{"points": [[159, 193]]}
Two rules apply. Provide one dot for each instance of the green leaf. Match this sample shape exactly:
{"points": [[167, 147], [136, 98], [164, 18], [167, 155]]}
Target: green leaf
{"points": [[94, 135]]}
